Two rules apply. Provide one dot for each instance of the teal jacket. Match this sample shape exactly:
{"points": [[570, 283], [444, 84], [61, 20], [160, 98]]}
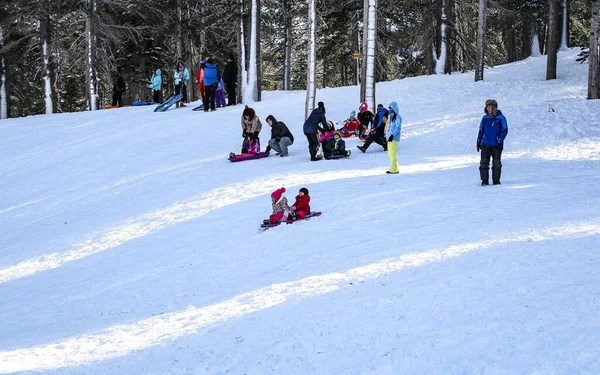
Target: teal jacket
{"points": [[395, 122], [179, 75], [157, 80]]}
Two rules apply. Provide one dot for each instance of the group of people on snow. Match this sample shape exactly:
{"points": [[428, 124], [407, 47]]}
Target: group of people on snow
{"points": [[211, 84], [385, 127]]}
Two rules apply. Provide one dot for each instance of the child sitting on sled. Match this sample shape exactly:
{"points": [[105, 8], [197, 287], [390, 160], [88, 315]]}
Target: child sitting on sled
{"points": [[338, 146], [301, 207], [253, 146], [281, 210], [351, 126], [325, 136]]}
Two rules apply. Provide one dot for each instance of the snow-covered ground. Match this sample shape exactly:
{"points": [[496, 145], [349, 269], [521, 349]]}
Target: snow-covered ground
{"points": [[130, 245]]}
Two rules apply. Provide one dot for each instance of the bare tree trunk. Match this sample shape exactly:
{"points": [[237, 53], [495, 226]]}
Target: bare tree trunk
{"points": [[287, 59], [3, 101], [311, 89], [178, 32], [594, 68], [251, 90], [369, 48], [564, 43], [526, 37], [91, 62], [510, 42], [356, 43], [257, 18], [552, 44], [242, 72], [442, 54], [480, 54]]}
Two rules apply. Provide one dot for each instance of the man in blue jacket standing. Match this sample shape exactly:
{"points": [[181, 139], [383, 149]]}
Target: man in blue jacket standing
{"points": [[212, 76], [490, 140]]}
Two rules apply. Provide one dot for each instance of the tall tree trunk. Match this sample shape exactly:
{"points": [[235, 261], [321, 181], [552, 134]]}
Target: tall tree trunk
{"points": [[91, 61], [356, 43], [251, 90], [257, 18], [552, 43], [510, 42], [287, 58], [440, 64], [594, 68], [480, 53], [526, 37], [311, 88], [242, 71], [369, 49], [3, 100], [179, 30], [564, 40], [47, 60]]}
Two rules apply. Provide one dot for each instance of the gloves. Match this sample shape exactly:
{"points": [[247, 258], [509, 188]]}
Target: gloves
{"points": [[251, 136], [244, 134], [255, 134], [478, 147], [277, 139], [268, 149], [390, 138]]}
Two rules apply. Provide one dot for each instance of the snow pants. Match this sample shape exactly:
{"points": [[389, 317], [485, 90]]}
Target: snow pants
{"points": [[495, 153], [230, 87], [313, 144], [392, 148]]}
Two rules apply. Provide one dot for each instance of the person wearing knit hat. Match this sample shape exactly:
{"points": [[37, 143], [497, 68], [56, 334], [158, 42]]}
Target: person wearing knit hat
{"points": [[493, 129], [365, 117], [338, 146], [301, 207], [377, 133], [315, 122], [281, 210]]}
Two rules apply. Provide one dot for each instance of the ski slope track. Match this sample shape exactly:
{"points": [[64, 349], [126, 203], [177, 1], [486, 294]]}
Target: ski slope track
{"points": [[130, 245]]}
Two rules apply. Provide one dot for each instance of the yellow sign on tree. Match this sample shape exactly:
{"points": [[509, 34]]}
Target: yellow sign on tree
{"points": [[356, 55]]}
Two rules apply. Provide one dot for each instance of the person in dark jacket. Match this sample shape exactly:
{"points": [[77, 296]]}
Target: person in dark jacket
{"points": [[118, 89], [337, 145], [230, 79], [365, 117], [212, 76], [315, 122], [493, 129], [281, 137], [377, 133]]}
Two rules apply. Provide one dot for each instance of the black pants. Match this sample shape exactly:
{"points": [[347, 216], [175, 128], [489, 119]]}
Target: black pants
{"points": [[181, 90], [157, 96], [495, 153], [313, 144], [230, 87], [378, 138], [209, 99], [117, 98]]}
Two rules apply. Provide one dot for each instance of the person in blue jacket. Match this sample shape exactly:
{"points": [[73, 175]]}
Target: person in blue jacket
{"points": [[212, 76], [393, 125], [490, 140], [312, 126], [182, 77], [157, 86]]}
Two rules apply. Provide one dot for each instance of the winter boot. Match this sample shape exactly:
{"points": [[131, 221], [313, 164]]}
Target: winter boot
{"points": [[485, 183], [497, 182], [361, 148]]}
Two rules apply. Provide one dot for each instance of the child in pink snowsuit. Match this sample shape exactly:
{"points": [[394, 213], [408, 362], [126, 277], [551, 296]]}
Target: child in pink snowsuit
{"points": [[253, 146], [281, 210]]}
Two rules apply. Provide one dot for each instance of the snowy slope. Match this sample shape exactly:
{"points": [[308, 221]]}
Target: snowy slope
{"points": [[130, 245]]}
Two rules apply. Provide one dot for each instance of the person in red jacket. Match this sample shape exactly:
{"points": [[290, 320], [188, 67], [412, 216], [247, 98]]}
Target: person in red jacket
{"points": [[301, 207], [200, 80]]}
